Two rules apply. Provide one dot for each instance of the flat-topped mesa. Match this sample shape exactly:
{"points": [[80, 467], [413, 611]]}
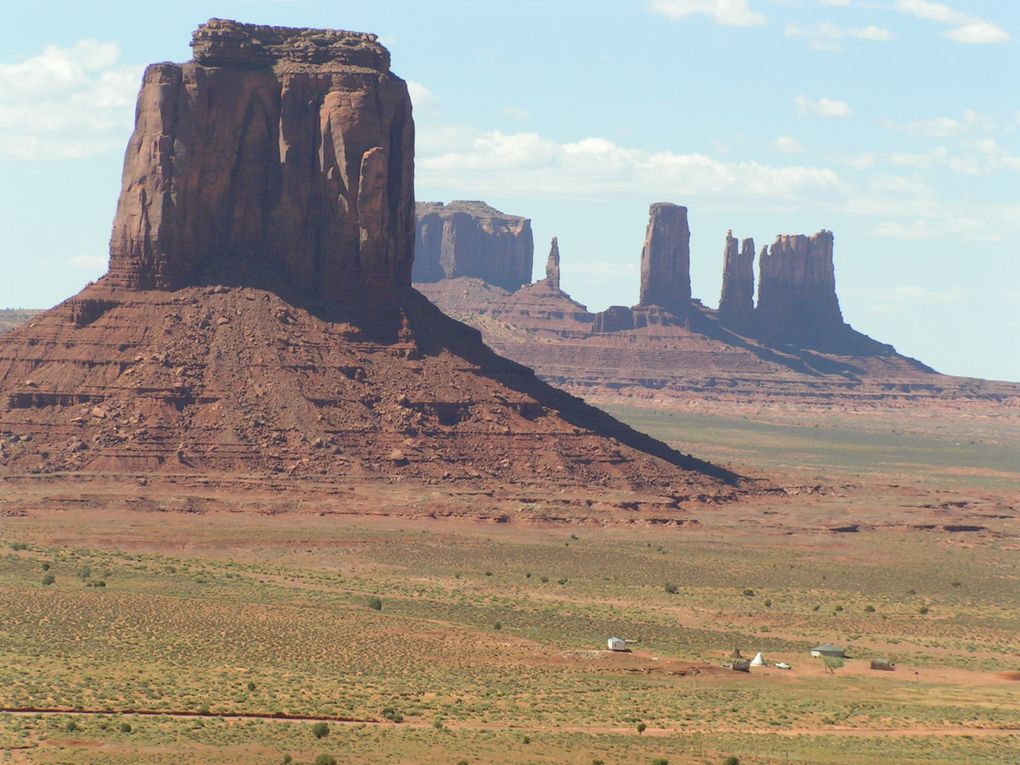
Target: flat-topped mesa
{"points": [[552, 266], [221, 42], [666, 259], [470, 238], [736, 304], [280, 151], [797, 289]]}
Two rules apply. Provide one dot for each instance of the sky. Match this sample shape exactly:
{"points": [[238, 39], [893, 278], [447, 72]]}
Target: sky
{"points": [[893, 123]]}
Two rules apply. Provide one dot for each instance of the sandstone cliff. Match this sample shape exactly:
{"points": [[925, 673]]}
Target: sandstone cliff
{"points": [[736, 305], [797, 290], [282, 149], [472, 239], [666, 259]]}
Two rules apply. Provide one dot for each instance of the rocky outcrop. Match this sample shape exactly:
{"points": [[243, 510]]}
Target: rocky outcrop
{"points": [[472, 239], [797, 291], [666, 259], [736, 305], [616, 318], [257, 323], [552, 266], [275, 149]]}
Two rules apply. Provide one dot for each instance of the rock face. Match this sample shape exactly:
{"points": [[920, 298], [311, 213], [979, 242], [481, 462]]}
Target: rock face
{"points": [[552, 265], [283, 149], [736, 305], [616, 318], [472, 239], [257, 322], [666, 259], [797, 290]]}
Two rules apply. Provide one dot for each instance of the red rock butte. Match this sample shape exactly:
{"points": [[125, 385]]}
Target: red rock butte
{"points": [[258, 317]]}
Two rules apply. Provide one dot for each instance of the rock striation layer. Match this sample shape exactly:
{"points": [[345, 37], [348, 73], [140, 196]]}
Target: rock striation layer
{"points": [[472, 239], [736, 304], [290, 150], [666, 259], [258, 318]]}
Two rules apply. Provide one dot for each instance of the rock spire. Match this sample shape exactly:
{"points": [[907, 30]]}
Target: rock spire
{"points": [[552, 265], [736, 305], [666, 259]]}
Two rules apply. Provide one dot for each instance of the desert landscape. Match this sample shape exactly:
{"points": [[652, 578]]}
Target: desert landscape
{"points": [[316, 473]]}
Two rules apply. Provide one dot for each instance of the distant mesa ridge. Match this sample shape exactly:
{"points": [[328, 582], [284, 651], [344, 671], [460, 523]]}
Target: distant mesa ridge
{"points": [[470, 238], [797, 302], [791, 345]]}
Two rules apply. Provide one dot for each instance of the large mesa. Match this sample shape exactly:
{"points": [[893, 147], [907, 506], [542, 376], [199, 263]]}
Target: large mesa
{"points": [[258, 320], [287, 150], [472, 239]]}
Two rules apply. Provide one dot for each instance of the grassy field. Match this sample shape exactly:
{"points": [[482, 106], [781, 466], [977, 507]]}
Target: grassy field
{"points": [[132, 637]]}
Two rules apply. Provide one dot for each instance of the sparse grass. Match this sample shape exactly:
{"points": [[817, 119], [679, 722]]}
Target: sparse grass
{"points": [[491, 636]]}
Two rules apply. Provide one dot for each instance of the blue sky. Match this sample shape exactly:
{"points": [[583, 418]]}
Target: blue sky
{"points": [[894, 123]]}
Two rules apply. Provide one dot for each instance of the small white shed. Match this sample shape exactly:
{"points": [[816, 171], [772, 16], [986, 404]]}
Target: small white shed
{"points": [[828, 649], [616, 644]]}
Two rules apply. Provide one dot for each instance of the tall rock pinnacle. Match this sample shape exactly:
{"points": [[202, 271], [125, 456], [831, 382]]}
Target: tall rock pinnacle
{"points": [[228, 189], [666, 259], [552, 265], [736, 305], [797, 292]]}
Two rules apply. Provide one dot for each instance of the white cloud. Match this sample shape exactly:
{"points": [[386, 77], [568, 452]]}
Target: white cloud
{"points": [[870, 32], [789, 145], [517, 113], [422, 98], [822, 107], [66, 103], [479, 163], [730, 13], [827, 36], [966, 28], [835, 3]]}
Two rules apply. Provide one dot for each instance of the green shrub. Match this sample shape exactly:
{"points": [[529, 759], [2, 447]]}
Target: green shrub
{"points": [[768, 602], [641, 727], [287, 759], [251, 685], [392, 715], [375, 604], [325, 759], [438, 723], [48, 580], [832, 663], [869, 609], [125, 727], [45, 566], [71, 726], [671, 588], [748, 593], [320, 730], [732, 760], [922, 610], [660, 761]]}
